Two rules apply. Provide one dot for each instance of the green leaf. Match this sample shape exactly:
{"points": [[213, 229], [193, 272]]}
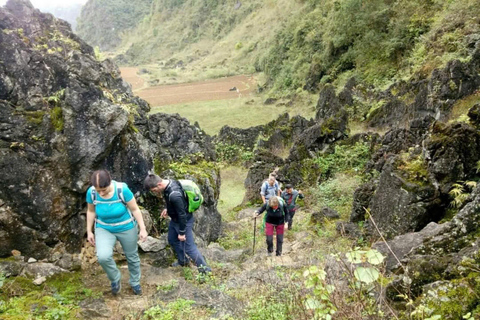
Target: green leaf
{"points": [[312, 304], [366, 275], [355, 256], [374, 257]]}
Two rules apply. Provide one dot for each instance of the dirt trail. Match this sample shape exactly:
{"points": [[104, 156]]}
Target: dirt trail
{"points": [[215, 89]]}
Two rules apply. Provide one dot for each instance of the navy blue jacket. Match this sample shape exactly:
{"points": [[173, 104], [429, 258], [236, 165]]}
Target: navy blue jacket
{"points": [[177, 204]]}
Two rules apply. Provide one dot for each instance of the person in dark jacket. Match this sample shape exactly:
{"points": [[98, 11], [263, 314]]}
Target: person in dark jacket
{"points": [[276, 217], [290, 196], [180, 235]]}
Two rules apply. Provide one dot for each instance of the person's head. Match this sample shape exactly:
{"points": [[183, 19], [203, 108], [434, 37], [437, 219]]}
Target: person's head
{"points": [[154, 183], [101, 180], [273, 202], [271, 180], [289, 188]]}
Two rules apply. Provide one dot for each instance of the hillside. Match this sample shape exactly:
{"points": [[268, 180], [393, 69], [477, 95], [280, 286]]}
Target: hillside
{"points": [[389, 164], [102, 22], [303, 45]]}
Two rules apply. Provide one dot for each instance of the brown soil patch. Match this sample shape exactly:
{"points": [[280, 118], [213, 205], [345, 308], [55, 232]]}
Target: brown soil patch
{"points": [[130, 75], [216, 89]]}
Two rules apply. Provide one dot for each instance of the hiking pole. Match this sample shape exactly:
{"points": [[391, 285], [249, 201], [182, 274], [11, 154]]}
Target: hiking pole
{"points": [[254, 233]]}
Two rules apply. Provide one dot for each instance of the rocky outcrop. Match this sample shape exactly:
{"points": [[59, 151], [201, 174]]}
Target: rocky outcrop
{"points": [[434, 97], [64, 115], [440, 255], [402, 204], [246, 138]]}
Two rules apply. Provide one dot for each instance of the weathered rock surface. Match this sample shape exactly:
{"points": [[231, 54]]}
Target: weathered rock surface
{"points": [[64, 115]]}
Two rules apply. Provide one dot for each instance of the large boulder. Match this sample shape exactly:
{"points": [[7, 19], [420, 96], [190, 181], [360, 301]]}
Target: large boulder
{"points": [[404, 201], [64, 115], [453, 152]]}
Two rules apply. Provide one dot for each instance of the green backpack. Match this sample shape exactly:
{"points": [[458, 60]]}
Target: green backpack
{"points": [[193, 194], [281, 204]]}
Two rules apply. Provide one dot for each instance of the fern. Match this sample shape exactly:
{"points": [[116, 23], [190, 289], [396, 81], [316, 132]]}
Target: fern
{"points": [[460, 192]]}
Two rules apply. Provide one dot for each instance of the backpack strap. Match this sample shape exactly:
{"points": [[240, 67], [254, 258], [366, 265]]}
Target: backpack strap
{"points": [[93, 195], [121, 198], [120, 195]]}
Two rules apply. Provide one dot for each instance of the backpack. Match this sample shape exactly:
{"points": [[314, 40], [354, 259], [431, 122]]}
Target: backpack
{"points": [[121, 198], [192, 193], [265, 187], [281, 204], [119, 193]]}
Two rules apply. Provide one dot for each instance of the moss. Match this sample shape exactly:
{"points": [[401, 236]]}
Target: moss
{"points": [[191, 166], [415, 169], [35, 117], [453, 299], [56, 117], [57, 298]]}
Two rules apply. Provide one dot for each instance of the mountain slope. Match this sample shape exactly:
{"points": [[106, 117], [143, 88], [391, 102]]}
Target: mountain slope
{"points": [[101, 22]]}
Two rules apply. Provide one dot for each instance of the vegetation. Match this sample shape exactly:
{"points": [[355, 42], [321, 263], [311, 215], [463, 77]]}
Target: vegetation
{"points": [[213, 115], [55, 299], [301, 45], [102, 21], [232, 189]]}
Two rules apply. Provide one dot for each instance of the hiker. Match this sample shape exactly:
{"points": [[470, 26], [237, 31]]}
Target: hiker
{"points": [[180, 234], [269, 188], [275, 218], [290, 196], [112, 208]]}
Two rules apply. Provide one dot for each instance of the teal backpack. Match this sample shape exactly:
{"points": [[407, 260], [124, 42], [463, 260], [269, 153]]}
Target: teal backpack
{"points": [[193, 194], [281, 204]]}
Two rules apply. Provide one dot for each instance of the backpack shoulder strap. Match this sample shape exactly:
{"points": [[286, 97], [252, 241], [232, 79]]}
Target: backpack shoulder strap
{"points": [[120, 193], [93, 195]]}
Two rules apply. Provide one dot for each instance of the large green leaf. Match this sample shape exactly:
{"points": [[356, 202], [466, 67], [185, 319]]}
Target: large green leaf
{"points": [[366, 275], [374, 257]]}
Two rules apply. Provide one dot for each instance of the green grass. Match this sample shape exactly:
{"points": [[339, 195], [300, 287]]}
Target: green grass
{"points": [[213, 115], [461, 107], [232, 189]]}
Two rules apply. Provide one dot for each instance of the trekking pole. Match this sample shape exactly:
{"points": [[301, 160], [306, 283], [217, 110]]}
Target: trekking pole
{"points": [[254, 233]]}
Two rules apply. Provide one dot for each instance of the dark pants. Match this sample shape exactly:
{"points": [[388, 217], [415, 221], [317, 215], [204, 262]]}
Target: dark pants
{"points": [[186, 248], [279, 229], [290, 222]]}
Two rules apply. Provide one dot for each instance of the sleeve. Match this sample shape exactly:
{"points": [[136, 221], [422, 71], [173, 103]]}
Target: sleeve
{"points": [[287, 214], [127, 193], [177, 201], [262, 209], [89, 195], [262, 189], [300, 195]]}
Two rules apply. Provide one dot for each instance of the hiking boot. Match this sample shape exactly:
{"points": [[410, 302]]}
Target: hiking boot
{"points": [[116, 286], [269, 254], [137, 290], [204, 270], [177, 264]]}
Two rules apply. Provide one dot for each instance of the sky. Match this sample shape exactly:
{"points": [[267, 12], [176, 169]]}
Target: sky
{"points": [[50, 3]]}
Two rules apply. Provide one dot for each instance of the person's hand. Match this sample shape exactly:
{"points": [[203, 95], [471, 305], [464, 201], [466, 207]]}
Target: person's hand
{"points": [[91, 238], [182, 238], [255, 214], [299, 191], [286, 226], [164, 213], [143, 234]]}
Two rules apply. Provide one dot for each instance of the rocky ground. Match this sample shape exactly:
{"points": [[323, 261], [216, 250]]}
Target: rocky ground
{"points": [[234, 271]]}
